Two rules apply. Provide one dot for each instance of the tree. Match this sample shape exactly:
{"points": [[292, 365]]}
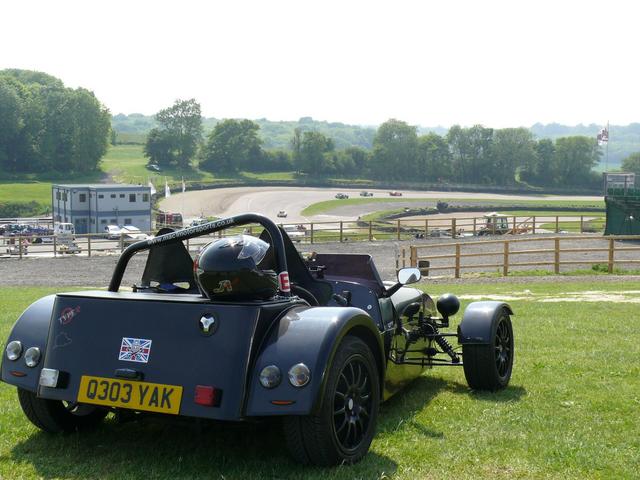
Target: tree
{"points": [[159, 147], [313, 158], [511, 148], [45, 126], [181, 125], [10, 124], [233, 145], [434, 159], [360, 158], [395, 149], [632, 164], [539, 170], [573, 160]]}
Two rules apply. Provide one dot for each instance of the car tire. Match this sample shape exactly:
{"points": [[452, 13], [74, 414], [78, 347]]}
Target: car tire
{"points": [[55, 416], [489, 367], [342, 430]]}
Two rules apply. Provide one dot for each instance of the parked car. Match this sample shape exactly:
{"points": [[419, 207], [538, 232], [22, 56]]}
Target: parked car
{"points": [[112, 232], [254, 331], [131, 234], [342, 196], [395, 193], [64, 229], [366, 194], [154, 167], [282, 214]]}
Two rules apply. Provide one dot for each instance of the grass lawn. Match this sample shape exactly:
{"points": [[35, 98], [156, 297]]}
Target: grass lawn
{"points": [[126, 164], [571, 411], [25, 192], [597, 224]]}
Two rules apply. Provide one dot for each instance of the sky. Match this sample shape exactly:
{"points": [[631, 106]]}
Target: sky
{"points": [[429, 63]]}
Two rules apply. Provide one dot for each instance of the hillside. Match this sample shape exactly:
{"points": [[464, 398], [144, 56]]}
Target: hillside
{"points": [[276, 135], [624, 140]]}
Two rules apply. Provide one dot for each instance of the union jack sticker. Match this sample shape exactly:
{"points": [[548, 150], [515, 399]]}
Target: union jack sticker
{"points": [[135, 350]]}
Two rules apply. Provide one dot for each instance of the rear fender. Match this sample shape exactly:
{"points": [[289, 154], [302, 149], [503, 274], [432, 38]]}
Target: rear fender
{"points": [[310, 336], [32, 330], [478, 320]]}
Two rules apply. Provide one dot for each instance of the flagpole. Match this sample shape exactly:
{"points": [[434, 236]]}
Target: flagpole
{"points": [[607, 155]]}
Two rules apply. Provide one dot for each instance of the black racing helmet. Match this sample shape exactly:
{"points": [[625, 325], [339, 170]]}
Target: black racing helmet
{"points": [[227, 269]]}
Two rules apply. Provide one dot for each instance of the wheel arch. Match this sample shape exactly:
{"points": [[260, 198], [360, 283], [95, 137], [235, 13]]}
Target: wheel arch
{"points": [[310, 336], [32, 330], [478, 321]]}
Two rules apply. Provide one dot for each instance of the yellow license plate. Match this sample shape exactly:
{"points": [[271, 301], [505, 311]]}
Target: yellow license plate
{"points": [[151, 397]]}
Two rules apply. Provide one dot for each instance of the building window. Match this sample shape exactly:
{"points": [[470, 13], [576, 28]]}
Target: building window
{"points": [[64, 196], [132, 197], [113, 221], [122, 195], [145, 197], [127, 221], [100, 196], [103, 221], [83, 197], [57, 194], [93, 220], [113, 195]]}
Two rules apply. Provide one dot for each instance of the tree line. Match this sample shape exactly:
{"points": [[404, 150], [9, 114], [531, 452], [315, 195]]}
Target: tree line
{"points": [[45, 126], [475, 155]]}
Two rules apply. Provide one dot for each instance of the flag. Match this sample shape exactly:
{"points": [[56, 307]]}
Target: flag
{"points": [[167, 191], [152, 189], [184, 187], [603, 136]]}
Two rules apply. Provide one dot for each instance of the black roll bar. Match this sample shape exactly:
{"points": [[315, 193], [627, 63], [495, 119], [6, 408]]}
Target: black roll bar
{"points": [[211, 227]]}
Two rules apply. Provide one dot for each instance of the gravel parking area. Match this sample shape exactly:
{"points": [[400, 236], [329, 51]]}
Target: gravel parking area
{"points": [[96, 271]]}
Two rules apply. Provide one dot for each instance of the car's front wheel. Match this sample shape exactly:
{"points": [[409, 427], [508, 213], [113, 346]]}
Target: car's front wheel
{"points": [[488, 367], [55, 416], [344, 427]]}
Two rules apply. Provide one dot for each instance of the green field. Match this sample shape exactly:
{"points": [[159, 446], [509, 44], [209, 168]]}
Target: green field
{"points": [[25, 191], [571, 411], [126, 164]]}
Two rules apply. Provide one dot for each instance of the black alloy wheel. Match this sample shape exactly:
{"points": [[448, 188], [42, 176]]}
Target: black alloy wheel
{"points": [[352, 404], [503, 348], [343, 428]]}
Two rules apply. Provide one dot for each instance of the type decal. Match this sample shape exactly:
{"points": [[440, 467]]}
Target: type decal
{"points": [[67, 314]]}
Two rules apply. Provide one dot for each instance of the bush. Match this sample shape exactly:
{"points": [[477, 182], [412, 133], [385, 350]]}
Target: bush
{"points": [[21, 209]]}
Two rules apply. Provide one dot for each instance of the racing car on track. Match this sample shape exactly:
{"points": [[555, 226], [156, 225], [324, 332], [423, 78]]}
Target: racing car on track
{"points": [[248, 330]]}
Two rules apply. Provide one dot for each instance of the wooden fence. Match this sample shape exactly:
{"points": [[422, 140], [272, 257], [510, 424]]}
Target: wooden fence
{"points": [[334, 231], [511, 254]]}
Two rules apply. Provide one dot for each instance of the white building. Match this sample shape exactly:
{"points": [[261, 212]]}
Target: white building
{"points": [[92, 207]]}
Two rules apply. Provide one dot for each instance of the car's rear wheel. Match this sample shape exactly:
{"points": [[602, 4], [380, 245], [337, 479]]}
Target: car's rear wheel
{"points": [[55, 416], [488, 367], [343, 429]]}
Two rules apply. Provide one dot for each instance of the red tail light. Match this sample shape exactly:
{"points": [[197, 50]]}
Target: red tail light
{"points": [[207, 395]]}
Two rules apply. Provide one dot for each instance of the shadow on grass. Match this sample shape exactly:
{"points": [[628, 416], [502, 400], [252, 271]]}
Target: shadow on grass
{"points": [[401, 409], [509, 394], [167, 450]]}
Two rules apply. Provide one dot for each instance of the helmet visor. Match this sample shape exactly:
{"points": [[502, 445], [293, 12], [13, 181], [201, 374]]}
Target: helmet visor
{"points": [[252, 247]]}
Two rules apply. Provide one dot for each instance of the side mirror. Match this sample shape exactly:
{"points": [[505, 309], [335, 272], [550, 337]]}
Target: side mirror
{"points": [[409, 275]]}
